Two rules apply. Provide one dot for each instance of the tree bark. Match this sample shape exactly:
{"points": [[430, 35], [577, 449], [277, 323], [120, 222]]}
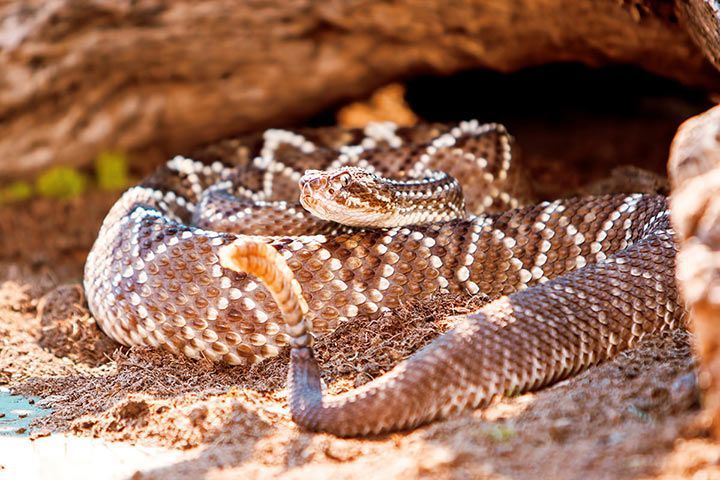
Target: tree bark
{"points": [[702, 20], [83, 76], [694, 168]]}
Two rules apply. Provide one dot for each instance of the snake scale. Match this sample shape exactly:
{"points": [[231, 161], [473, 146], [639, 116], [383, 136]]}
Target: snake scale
{"points": [[218, 259]]}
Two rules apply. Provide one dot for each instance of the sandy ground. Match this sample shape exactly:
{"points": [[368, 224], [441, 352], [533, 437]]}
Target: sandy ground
{"points": [[630, 418], [633, 417]]}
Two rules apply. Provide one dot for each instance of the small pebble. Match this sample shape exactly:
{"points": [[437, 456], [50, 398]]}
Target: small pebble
{"points": [[39, 434], [685, 391], [561, 430], [615, 438]]}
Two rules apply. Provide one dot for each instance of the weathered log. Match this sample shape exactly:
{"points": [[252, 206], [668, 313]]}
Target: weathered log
{"points": [[81, 76], [702, 21], [694, 168]]}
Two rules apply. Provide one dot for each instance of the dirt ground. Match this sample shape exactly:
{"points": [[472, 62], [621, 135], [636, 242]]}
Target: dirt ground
{"points": [[634, 417], [630, 418]]}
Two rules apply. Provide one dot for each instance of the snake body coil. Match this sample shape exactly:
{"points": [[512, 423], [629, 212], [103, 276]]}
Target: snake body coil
{"points": [[575, 280]]}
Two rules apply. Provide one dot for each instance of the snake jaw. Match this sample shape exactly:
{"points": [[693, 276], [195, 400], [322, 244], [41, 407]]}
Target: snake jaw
{"points": [[307, 199], [312, 186]]}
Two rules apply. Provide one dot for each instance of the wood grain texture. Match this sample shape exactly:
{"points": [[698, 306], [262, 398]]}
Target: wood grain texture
{"points": [[694, 169], [161, 77], [702, 18]]}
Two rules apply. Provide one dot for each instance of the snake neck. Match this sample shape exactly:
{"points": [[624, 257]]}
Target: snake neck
{"points": [[436, 198]]}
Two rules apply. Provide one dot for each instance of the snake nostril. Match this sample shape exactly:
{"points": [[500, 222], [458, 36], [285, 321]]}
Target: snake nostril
{"points": [[306, 179], [314, 184]]}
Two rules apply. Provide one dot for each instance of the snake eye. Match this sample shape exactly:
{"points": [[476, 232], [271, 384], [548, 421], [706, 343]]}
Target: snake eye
{"points": [[344, 179]]}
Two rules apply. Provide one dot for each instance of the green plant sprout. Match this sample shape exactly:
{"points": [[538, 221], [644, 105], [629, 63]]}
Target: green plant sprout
{"points": [[111, 169], [500, 433], [60, 182], [15, 192]]}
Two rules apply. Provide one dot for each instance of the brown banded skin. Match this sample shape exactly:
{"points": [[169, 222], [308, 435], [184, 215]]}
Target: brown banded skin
{"points": [[585, 277], [264, 262], [154, 278], [518, 343]]}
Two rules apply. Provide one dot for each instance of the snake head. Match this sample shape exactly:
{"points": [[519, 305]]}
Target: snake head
{"points": [[347, 195]]}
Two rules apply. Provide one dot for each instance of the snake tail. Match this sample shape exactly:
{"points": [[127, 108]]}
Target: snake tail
{"points": [[518, 343]]}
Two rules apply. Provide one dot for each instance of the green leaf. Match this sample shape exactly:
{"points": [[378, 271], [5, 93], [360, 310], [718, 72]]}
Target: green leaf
{"points": [[60, 182], [112, 170], [15, 192]]}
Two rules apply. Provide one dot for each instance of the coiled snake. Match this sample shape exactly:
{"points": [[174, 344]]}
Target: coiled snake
{"points": [[222, 261]]}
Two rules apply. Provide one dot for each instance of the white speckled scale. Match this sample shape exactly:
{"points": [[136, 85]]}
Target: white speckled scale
{"points": [[153, 277], [574, 281]]}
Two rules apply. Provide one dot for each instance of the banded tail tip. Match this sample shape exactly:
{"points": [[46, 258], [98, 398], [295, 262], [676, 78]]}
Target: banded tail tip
{"points": [[263, 261]]}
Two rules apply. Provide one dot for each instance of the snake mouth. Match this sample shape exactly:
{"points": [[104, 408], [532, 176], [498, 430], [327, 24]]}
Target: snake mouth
{"points": [[313, 192], [313, 200], [306, 196]]}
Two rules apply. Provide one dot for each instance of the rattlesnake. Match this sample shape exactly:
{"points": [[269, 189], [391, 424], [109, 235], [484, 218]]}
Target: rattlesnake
{"points": [[574, 280]]}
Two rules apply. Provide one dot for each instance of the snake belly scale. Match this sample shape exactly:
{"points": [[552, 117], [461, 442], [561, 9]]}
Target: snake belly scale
{"points": [[575, 280]]}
